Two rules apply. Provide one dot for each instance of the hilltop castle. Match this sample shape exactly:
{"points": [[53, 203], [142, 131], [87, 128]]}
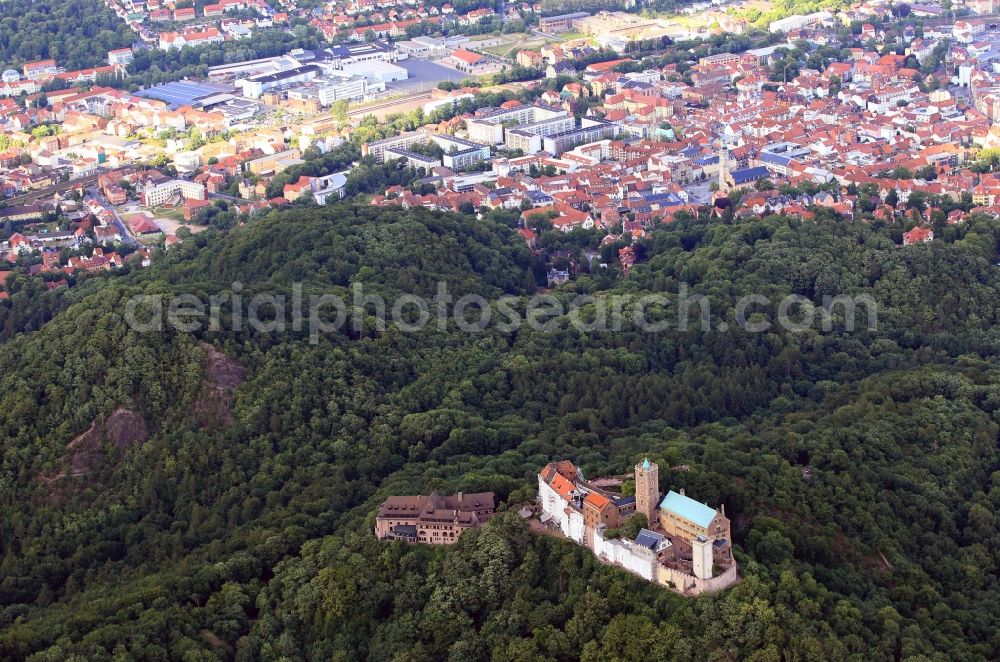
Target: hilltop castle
{"points": [[687, 545]]}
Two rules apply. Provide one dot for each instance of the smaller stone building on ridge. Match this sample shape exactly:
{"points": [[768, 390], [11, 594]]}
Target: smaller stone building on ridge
{"points": [[433, 519]]}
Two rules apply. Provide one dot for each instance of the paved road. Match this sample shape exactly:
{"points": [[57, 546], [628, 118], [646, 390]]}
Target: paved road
{"points": [[701, 193], [424, 75], [123, 230], [126, 234]]}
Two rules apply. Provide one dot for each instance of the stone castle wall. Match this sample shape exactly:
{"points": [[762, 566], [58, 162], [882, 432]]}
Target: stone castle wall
{"points": [[691, 585]]}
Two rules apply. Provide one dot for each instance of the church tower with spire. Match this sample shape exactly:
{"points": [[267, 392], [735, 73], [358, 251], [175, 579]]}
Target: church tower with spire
{"points": [[647, 490], [723, 166]]}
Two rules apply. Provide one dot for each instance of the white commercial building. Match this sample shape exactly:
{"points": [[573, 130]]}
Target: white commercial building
{"points": [[187, 161], [255, 86], [333, 87], [377, 70], [328, 187], [799, 21], [414, 48]]}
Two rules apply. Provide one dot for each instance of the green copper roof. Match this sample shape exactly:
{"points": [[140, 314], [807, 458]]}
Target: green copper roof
{"points": [[688, 508], [645, 463]]}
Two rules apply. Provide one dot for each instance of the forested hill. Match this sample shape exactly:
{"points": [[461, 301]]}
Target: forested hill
{"points": [[76, 34], [390, 251], [211, 495]]}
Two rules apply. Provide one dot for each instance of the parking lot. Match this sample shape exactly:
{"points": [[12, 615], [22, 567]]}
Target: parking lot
{"points": [[424, 75]]}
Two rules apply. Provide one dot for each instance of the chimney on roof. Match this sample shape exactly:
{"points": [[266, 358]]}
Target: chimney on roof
{"points": [[460, 497], [722, 509], [682, 491]]}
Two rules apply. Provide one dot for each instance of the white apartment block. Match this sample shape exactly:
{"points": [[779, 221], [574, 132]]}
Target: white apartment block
{"points": [[158, 194], [378, 148], [489, 128]]}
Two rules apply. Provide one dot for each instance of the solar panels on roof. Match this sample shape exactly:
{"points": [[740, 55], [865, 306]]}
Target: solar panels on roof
{"points": [[185, 93]]}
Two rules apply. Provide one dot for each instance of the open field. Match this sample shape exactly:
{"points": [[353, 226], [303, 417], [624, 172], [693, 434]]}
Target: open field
{"points": [[510, 44], [166, 213], [170, 226]]}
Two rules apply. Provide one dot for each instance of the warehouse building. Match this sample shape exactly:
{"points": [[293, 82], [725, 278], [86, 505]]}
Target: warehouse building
{"points": [[376, 70], [255, 86], [334, 87]]}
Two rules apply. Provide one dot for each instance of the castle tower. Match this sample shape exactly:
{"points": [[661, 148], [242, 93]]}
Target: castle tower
{"points": [[701, 555], [647, 490]]}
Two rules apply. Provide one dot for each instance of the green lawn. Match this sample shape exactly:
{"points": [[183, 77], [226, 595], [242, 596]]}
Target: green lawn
{"points": [[172, 213], [504, 50], [519, 41]]}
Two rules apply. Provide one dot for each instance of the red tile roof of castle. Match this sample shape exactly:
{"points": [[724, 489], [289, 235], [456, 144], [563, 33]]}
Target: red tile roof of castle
{"points": [[597, 500]]}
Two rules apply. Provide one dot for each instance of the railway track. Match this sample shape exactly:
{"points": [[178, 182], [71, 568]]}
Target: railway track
{"points": [[360, 112], [34, 196]]}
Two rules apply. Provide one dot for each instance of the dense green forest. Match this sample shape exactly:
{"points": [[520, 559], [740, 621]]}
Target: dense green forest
{"points": [[221, 508], [75, 34]]}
